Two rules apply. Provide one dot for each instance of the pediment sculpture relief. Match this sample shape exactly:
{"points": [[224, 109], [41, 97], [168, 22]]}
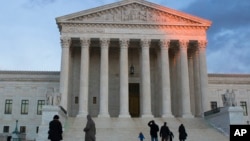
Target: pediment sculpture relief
{"points": [[133, 13]]}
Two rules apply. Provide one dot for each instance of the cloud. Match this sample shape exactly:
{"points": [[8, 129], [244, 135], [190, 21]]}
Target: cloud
{"points": [[223, 13], [39, 3], [228, 37]]}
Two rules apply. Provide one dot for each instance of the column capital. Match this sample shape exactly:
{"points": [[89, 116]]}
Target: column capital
{"points": [[85, 42], [202, 44], [104, 42], [183, 44], [164, 44], [124, 43], [65, 42], [145, 43]]}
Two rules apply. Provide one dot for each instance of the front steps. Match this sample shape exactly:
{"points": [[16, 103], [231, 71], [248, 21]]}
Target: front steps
{"points": [[127, 129]]}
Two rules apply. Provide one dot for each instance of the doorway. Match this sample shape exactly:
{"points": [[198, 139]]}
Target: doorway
{"points": [[134, 99]]}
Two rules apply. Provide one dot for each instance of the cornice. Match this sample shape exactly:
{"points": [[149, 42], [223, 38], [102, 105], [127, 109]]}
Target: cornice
{"points": [[29, 76], [21, 72], [229, 75], [239, 79], [128, 24]]}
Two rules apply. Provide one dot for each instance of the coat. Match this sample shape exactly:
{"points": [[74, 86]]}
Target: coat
{"points": [[55, 130], [182, 132], [90, 130], [154, 128], [164, 132]]}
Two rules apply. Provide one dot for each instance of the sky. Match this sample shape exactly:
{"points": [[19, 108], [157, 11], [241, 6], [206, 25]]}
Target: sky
{"points": [[30, 39]]}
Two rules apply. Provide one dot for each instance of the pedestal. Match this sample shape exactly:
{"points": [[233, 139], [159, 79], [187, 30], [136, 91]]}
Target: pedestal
{"points": [[47, 115]]}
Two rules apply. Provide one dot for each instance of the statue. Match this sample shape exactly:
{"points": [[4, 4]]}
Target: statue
{"points": [[229, 99], [53, 98]]}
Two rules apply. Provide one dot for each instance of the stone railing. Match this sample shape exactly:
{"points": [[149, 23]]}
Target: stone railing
{"points": [[211, 112], [224, 117]]}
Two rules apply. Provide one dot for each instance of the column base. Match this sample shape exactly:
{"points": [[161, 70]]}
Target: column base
{"points": [[82, 115], [124, 116], [167, 116], [147, 116], [187, 116], [103, 116], [199, 115]]}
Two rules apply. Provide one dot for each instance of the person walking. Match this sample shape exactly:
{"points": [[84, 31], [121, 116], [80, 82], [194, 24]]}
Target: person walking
{"points": [[90, 130], [55, 129], [141, 136], [154, 129], [164, 132], [182, 133]]}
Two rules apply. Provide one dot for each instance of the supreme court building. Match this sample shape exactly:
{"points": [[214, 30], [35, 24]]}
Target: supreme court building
{"points": [[133, 58], [127, 59]]}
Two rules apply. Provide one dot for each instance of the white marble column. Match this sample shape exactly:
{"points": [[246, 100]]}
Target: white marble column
{"points": [[124, 95], [197, 92], [177, 85], [64, 74], [166, 95], [185, 91], [145, 76], [173, 78], [191, 81], [104, 78], [203, 74], [84, 78]]}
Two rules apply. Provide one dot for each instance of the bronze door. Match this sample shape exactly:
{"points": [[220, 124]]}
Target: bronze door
{"points": [[134, 99]]}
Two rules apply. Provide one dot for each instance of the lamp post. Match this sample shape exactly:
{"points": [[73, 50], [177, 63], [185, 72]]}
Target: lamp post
{"points": [[15, 133], [132, 69]]}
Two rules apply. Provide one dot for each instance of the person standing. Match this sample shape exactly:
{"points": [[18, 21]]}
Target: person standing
{"points": [[171, 135], [90, 130], [182, 133], [55, 129], [154, 128], [164, 132]]}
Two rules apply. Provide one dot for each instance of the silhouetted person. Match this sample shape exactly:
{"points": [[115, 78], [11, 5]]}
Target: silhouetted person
{"points": [[154, 128], [55, 129], [141, 136], [182, 133], [90, 130], [164, 132], [171, 136]]}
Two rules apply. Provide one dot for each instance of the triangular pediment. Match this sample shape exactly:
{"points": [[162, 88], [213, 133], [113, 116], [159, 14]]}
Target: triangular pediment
{"points": [[133, 12]]}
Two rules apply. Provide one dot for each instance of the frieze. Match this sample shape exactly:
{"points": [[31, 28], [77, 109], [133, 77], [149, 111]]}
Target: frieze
{"points": [[133, 13], [82, 30], [110, 28]]}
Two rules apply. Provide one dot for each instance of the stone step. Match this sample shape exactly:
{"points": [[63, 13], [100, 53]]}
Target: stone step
{"points": [[127, 129]]}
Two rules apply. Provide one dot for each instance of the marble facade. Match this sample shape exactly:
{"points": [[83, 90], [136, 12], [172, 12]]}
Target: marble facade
{"points": [[165, 48]]}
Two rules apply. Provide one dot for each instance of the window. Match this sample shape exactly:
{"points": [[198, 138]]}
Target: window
{"points": [[24, 107], [6, 129], [37, 129], [94, 100], [22, 129], [76, 100], [40, 104], [213, 105], [8, 106], [243, 104]]}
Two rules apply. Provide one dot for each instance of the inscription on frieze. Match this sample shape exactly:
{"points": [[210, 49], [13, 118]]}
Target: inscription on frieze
{"points": [[82, 30], [92, 29]]}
